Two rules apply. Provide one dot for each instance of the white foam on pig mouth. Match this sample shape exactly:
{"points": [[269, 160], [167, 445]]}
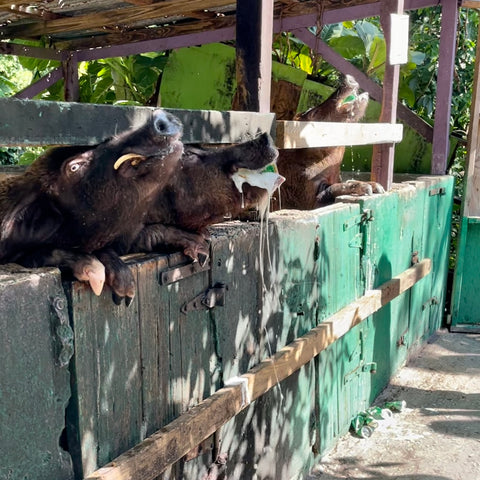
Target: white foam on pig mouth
{"points": [[266, 178]]}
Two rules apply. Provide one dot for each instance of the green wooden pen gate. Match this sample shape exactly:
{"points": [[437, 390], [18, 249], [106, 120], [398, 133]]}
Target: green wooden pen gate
{"points": [[137, 368], [190, 330]]}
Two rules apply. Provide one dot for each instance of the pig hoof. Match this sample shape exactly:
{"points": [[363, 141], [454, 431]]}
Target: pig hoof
{"points": [[128, 301], [117, 299], [203, 259]]}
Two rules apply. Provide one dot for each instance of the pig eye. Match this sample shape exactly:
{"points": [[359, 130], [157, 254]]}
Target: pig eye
{"points": [[75, 166]]}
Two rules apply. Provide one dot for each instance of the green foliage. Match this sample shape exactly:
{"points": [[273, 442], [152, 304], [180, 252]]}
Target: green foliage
{"points": [[130, 80]]}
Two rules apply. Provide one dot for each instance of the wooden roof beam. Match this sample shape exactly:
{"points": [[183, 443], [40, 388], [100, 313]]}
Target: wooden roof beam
{"points": [[446, 67]]}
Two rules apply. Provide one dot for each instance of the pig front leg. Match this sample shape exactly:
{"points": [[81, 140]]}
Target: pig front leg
{"points": [[117, 276], [86, 268], [350, 187], [157, 236]]}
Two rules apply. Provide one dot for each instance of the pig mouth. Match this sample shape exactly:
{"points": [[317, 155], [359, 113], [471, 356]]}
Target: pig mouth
{"points": [[267, 178]]}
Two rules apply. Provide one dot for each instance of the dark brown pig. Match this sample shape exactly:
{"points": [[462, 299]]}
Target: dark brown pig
{"points": [[77, 203], [204, 191], [313, 174]]}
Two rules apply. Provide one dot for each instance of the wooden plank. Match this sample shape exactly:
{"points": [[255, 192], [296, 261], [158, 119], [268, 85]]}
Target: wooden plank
{"points": [[383, 154], [254, 55], [446, 66], [470, 4], [34, 388], [40, 85], [30, 122], [294, 134], [121, 16], [148, 459], [7, 48]]}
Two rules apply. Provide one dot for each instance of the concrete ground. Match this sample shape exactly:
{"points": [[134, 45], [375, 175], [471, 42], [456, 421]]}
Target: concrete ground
{"points": [[437, 436]]}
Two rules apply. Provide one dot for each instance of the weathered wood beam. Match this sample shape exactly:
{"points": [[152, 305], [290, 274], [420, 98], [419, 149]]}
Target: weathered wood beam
{"points": [[161, 44], [149, 458], [254, 31], [293, 134], [144, 40], [375, 91], [63, 123], [40, 85], [446, 67], [470, 3], [383, 154], [118, 17], [27, 51]]}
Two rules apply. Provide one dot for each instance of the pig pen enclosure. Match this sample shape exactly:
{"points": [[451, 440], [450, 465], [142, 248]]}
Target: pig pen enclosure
{"points": [[254, 364]]}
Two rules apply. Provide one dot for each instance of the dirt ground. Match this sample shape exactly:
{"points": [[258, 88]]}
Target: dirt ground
{"points": [[437, 435]]}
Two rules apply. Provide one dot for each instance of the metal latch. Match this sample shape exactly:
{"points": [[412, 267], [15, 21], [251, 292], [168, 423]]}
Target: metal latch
{"points": [[437, 191], [212, 297], [179, 273], [364, 217]]}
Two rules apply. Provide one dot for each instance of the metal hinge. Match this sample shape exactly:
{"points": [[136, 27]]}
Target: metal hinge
{"points": [[364, 217], [437, 191], [185, 271], [212, 297]]}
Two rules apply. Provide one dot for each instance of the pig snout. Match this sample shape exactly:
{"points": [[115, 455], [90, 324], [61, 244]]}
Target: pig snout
{"points": [[166, 124]]}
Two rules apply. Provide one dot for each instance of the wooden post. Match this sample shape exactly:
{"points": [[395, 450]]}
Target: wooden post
{"points": [[70, 74], [254, 55], [471, 205], [149, 458], [383, 155], [446, 65]]}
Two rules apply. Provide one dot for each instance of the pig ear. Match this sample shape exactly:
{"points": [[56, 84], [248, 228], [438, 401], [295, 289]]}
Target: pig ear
{"points": [[32, 220]]}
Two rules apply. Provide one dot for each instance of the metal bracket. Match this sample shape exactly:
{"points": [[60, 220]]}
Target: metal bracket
{"points": [[364, 217], [63, 331], [437, 191], [178, 273], [212, 297]]}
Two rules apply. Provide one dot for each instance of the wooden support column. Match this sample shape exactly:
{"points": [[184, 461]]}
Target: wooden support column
{"points": [[254, 55], [446, 65], [383, 155], [70, 74], [471, 205]]}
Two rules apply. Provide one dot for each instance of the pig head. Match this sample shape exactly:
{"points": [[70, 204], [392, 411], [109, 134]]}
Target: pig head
{"points": [[203, 192], [76, 204], [313, 174]]}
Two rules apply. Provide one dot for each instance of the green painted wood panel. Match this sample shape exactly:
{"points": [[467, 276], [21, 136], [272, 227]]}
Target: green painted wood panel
{"points": [[138, 367], [465, 300], [34, 388], [391, 236]]}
